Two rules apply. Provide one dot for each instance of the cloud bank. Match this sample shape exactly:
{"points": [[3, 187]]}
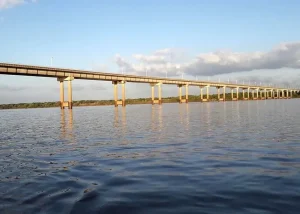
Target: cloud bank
{"points": [[5, 4], [285, 55]]}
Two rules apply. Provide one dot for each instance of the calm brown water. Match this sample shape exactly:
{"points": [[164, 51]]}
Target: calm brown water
{"points": [[232, 157]]}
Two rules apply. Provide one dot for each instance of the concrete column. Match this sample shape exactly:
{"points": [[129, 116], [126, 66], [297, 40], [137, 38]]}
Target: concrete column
{"points": [[257, 93], [62, 94], [218, 89], [159, 94], [64, 104], [248, 93], [201, 93], [152, 94], [224, 93], [180, 95], [116, 93], [207, 92], [186, 93], [277, 95], [231, 93], [237, 93], [123, 94], [287, 94], [70, 94]]}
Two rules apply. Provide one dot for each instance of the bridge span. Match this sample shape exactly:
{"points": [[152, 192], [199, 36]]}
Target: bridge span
{"points": [[68, 75]]}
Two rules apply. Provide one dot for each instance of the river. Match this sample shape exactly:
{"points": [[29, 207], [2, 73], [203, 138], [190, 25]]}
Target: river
{"points": [[231, 157]]}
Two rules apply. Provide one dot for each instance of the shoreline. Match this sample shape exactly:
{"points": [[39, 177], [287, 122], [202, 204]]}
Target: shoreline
{"points": [[137, 101]]}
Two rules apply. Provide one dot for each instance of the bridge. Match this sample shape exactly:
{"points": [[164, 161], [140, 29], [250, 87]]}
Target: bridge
{"points": [[68, 75]]}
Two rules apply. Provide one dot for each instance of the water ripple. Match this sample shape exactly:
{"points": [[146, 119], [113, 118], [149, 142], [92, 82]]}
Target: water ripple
{"points": [[232, 157]]}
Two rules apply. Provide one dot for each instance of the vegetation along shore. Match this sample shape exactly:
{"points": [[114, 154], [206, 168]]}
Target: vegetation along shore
{"points": [[192, 98]]}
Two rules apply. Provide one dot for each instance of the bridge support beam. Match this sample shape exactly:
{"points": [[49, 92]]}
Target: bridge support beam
{"points": [[253, 96], [270, 94], [288, 94], [62, 94], [186, 100], [219, 94], [61, 81], [118, 102], [248, 93], [263, 94], [237, 94], [153, 100], [207, 93], [277, 94], [282, 94]]}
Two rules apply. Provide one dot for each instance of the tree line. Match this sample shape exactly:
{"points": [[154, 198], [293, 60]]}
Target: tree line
{"points": [[192, 98]]}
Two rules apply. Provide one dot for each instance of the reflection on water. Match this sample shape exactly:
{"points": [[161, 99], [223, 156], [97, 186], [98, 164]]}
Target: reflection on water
{"points": [[66, 117], [222, 157]]}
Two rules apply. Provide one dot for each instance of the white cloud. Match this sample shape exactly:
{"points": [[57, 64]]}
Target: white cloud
{"points": [[285, 55], [150, 59], [5, 4]]}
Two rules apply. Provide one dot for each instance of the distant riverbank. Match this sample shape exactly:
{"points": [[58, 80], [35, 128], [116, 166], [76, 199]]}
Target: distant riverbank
{"points": [[192, 98]]}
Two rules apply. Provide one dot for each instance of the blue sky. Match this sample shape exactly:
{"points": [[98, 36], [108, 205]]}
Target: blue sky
{"points": [[107, 35]]}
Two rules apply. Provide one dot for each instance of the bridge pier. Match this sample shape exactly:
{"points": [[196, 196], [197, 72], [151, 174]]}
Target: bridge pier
{"points": [[269, 94], [288, 94], [69, 103], [248, 93], [207, 93], [264, 94], [276, 97], [279, 94], [116, 97], [282, 94], [219, 95], [237, 94], [62, 93], [153, 100], [186, 100], [255, 97], [261, 93]]}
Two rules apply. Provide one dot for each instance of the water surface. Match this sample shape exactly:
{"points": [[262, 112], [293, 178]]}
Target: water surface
{"points": [[232, 157]]}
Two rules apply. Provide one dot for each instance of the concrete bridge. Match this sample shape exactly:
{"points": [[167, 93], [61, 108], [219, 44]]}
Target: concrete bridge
{"points": [[69, 75]]}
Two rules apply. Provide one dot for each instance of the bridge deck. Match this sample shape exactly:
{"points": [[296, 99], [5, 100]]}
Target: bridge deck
{"points": [[40, 71]]}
